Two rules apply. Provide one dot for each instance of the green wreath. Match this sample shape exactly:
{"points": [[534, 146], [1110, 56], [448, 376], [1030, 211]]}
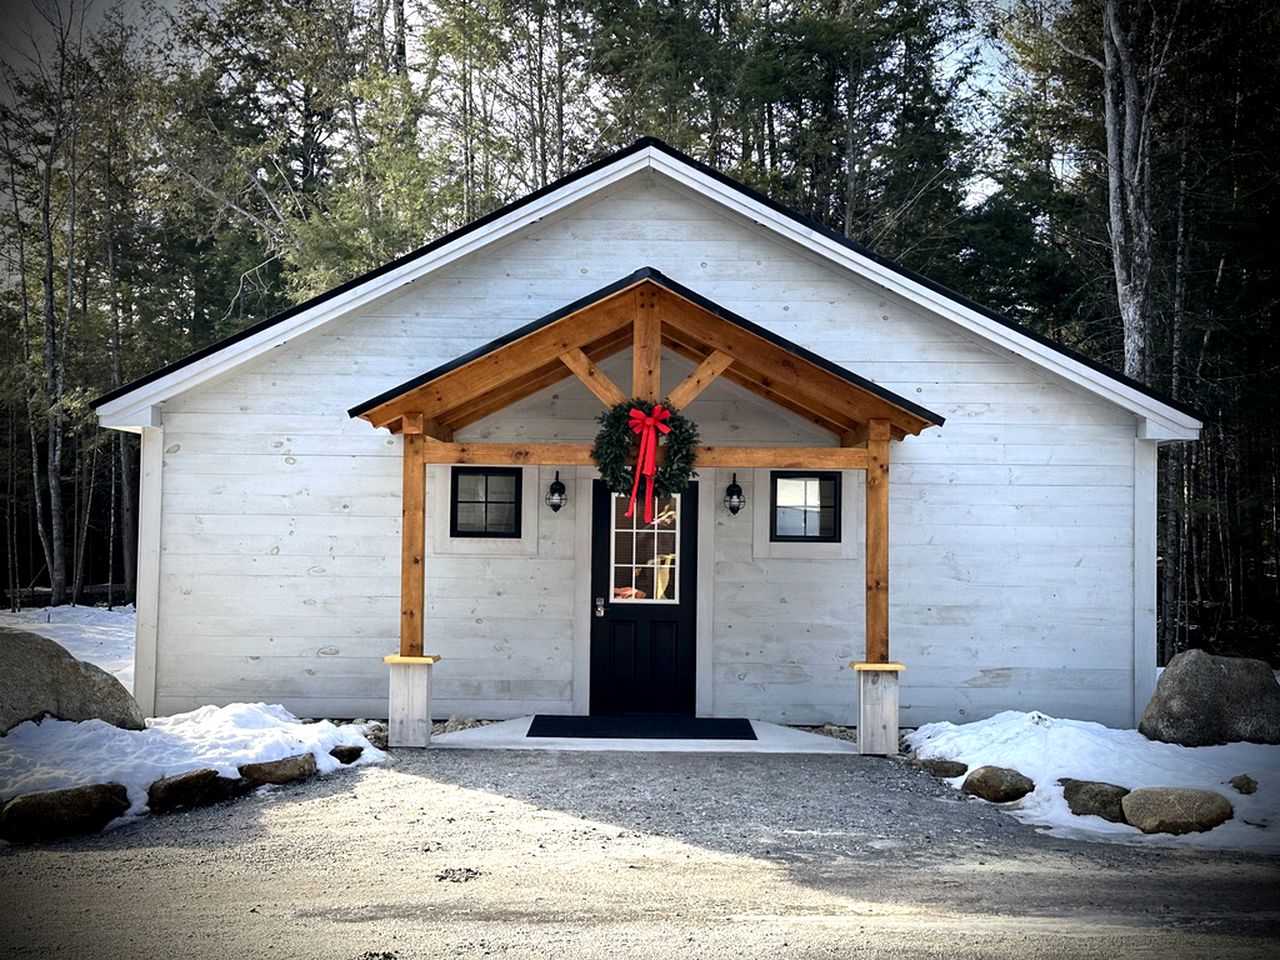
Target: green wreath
{"points": [[616, 447]]}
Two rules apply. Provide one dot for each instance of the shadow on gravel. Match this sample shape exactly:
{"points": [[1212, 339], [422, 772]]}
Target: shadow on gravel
{"points": [[868, 828]]}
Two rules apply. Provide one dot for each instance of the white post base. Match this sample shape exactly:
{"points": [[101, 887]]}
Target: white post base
{"points": [[409, 708], [878, 708]]}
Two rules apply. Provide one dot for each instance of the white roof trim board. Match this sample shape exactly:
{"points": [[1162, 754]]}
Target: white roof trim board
{"points": [[132, 406]]}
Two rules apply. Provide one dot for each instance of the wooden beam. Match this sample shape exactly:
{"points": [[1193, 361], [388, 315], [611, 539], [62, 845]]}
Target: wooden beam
{"points": [[783, 458], [437, 430], [595, 379], [811, 407], [646, 347], [799, 408], [501, 454], [416, 423], [491, 402], [497, 370], [877, 565], [579, 454], [778, 368], [413, 545], [701, 378]]}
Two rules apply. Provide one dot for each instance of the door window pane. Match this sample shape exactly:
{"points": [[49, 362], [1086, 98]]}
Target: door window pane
{"points": [[645, 555]]}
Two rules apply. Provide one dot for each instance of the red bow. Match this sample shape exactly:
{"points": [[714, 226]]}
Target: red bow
{"points": [[647, 425]]}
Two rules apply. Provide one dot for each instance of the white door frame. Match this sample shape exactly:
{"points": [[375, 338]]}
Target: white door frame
{"points": [[704, 686]]}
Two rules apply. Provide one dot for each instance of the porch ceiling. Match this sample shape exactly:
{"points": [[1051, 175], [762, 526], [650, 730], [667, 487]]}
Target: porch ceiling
{"points": [[646, 310]]}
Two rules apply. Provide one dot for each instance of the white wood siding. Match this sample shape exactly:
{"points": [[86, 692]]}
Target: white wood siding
{"points": [[1012, 527]]}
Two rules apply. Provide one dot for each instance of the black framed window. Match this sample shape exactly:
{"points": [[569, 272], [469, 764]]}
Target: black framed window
{"points": [[804, 507], [485, 502]]}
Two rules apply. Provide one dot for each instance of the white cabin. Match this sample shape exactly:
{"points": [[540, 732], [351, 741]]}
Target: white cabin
{"points": [[1021, 483]]}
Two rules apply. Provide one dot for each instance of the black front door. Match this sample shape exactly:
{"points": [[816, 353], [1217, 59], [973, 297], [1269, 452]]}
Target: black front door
{"points": [[643, 578]]}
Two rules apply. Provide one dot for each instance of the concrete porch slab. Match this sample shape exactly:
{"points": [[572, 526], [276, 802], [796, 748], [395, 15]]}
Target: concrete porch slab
{"points": [[770, 738]]}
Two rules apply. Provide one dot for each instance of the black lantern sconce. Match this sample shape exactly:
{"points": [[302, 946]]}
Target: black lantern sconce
{"points": [[556, 496], [733, 496]]}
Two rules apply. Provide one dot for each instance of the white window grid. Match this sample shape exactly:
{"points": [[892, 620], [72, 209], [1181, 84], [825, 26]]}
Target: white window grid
{"points": [[641, 527]]}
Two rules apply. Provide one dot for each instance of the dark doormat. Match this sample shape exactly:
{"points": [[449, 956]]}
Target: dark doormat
{"points": [[642, 728]]}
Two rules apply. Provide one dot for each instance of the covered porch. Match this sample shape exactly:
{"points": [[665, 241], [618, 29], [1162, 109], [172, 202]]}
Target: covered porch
{"points": [[645, 314]]}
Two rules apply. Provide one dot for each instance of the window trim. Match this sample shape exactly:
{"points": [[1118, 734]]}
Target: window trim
{"points": [[834, 475], [517, 503]]}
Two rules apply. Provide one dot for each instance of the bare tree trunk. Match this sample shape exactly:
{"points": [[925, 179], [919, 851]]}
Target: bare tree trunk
{"points": [[77, 486], [123, 446], [27, 324], [1135, 47], [1128, 205], [11, 513], [399, 55], [82, 533], [55, 552], [560, 93], [1171, 605], [111, 535]]}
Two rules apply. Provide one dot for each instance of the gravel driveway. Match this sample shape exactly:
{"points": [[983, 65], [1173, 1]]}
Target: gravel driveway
{"points": [[472, 854]]}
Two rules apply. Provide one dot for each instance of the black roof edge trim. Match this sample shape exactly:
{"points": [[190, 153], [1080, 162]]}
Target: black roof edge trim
{"points": [[655, 275], [642, 144]]}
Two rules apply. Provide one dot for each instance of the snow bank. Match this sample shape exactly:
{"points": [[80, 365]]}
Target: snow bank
{"points": [[57, 753], [1045, 749], [102, 637]]}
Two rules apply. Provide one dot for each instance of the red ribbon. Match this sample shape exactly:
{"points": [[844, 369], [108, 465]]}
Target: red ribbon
{"points": [[647, 425]]}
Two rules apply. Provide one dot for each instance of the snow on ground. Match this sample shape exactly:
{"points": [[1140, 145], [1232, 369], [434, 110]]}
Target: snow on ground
{"points": [[1045, 749], [101, 636], [57, 753]]}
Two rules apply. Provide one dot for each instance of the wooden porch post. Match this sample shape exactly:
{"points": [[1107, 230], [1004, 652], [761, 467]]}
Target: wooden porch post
{"points": [[877, 566], [877, 677], [413, 545], [409, 704]]}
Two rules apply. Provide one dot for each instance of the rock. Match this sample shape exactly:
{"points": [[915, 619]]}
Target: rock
{"points": [[346, 754], [1175, 809], [376, 734], [279, 771], [1094, 798], [1202, 700], [38, 678], [946, 769], [456, 723], [997, 784], [1244, 784], [51, 814], [838, 732], [197, 788]]}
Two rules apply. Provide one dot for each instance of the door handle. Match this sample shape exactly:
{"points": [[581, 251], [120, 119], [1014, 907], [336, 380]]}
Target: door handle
{"points": [[599, 606]]}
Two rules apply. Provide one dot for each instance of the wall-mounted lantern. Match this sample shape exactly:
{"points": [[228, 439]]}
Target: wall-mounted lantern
{"points": [[734, 499], [556, 496]]}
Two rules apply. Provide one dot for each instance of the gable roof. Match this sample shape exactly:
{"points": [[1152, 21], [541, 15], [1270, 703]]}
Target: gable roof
{"points": [[1171, 419], [840, 392]]}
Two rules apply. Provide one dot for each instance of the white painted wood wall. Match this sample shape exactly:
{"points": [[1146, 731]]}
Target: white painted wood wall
{"points": [[1012, 527]]}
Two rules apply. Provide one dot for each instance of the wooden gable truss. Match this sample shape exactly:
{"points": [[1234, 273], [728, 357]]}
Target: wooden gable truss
{"points": [[645, 312]]}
